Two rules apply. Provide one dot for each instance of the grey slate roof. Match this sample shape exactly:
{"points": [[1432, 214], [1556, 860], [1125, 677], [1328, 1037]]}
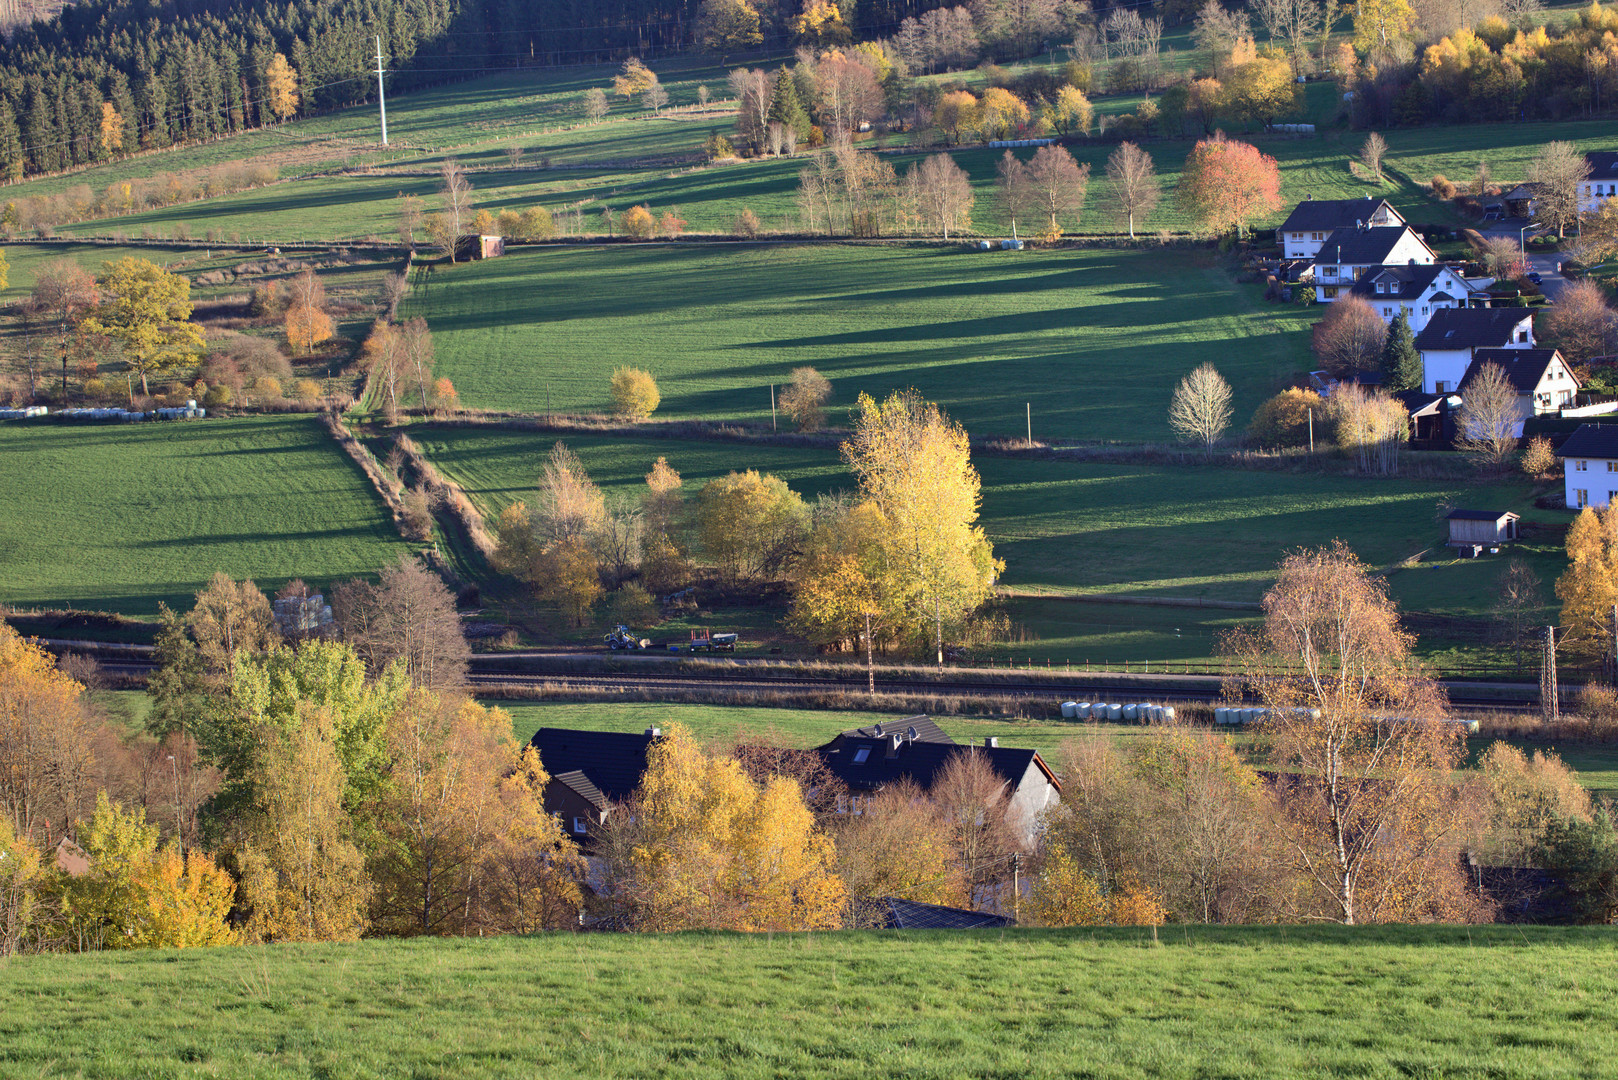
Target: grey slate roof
{"points": [[923, 726], [583, 788], [1591, 441], [1325, 215], [1603, 164], [611, 761], [1523, 367], [1479, 515], [909, 915], [920, 762], [1471, 328], [1361, 247], [1412, 281]]}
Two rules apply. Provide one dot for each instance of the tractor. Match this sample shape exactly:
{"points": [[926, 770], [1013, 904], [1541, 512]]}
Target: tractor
{"points": [[621, 638]]}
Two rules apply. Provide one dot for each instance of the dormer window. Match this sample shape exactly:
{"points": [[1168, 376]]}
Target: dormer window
{"points": [[862, 755]]}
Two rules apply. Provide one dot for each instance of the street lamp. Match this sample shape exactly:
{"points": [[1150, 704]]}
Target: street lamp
{"points": [[1522, 245]]}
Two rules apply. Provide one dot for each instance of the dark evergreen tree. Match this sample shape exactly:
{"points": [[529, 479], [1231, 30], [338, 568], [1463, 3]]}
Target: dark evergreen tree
{"points": [[1401, 363], [787, 108]]}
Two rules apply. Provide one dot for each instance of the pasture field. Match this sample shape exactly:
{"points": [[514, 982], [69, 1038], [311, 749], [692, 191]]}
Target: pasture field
{"points": [[1284, 1002], [1072, 529], [601, 173], [120, 518], [1096, 339]]}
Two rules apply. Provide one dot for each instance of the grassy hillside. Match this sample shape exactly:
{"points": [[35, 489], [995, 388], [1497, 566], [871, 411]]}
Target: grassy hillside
{"points": [[1256, 1002], [121, 517], [1074, 528], [1095, 340]]}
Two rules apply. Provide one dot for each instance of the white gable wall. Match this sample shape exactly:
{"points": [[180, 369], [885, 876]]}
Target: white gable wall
{"points": [[1589, 482]]}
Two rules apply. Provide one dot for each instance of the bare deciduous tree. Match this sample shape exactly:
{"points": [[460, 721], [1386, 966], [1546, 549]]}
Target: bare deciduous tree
{"points": [[595, 103], [1011, 177], [457, 192], [1200, 411], [1557, 171], [1133, 184], [1349, 339], [1372, 151], [1581, 324], [1292, 21], [1058, 185], [805, 398], [408, 615], [1519, 599], [1357, 726], [1370, 426], [1490, 418], [945, 192], [1217, 30]]}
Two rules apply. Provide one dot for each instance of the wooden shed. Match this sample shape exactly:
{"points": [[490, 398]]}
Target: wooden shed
{"points": [[1471, 528], [473, 246]]}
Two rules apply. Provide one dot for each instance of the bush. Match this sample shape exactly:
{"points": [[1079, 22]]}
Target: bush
{"points": [[1442, 187], [267, 387], [718, 147], [639, 223], [633, 606], [1304, 295], [1538, 458], [747, 224], [95, 389], [306, 390], [804, 398], [634, 392], [1284, 419], [217, 396]]}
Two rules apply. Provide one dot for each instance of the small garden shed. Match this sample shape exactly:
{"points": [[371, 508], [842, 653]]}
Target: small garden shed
{"points": [[1472, 527]]}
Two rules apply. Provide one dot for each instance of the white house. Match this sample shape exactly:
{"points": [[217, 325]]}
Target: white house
{"points": [[1590, 465], [1348, 254], [1418, 291], [1602, 183], [1542, 379], [1311, 221], [1452, 335]]}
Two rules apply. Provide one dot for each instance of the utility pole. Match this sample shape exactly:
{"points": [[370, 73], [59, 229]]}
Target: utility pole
{"points": [[1028, 409], [870, 670], [381, 96], [1548, 704], [1016, 884], [1311, 430], [772, 407], [179, 824]]}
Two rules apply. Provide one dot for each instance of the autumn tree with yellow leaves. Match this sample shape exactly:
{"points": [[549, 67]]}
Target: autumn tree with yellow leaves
{"points": [[148, 312], [704, 846], [917, 553], [1588, 588]]}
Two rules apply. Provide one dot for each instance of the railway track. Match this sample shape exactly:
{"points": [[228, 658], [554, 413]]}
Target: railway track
{"points": [[1182, 688]]}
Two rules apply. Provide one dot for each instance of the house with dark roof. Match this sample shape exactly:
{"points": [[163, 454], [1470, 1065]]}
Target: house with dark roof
{"points": [[590, 772], [1418, 291], [1452, 335], [1312, 220], [896, 913], [867, 764], [913, 728], [1543, 380], [1349, 254], [1602, 183], [1590, 466], [1474, 528]]}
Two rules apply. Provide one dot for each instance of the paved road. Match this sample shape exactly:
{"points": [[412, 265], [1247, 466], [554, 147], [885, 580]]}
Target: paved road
{"points": [[1547, 264]]}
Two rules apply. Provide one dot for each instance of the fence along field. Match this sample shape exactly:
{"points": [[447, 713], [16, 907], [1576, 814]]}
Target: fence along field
{"points": [[121, 517], [1096, 340]]}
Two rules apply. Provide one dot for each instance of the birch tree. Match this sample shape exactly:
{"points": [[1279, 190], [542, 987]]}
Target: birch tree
{"points": [[1133, 184], [1200, 410]]}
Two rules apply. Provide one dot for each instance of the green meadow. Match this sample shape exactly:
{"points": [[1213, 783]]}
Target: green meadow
{"points": [[1292, 1003], [121, 518], [1094, 340]]}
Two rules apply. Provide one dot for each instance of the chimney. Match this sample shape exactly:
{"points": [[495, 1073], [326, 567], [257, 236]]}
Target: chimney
{"points": [[992, 744], [894, 742], [652, 732]]}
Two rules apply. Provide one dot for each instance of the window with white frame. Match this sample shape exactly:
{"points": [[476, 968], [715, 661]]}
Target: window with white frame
{"points": [[1581, 466], [1581, 498], [580, 825]]}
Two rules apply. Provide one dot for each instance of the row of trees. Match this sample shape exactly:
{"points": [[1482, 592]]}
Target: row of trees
{"points": [[899, 564], [1224, 185]]}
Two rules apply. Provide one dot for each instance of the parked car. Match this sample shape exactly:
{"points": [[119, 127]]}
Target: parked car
{"points": [[1533, 275]]}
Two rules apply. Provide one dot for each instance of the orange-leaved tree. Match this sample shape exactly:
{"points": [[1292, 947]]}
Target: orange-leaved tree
{"points": [[1225, 184]]}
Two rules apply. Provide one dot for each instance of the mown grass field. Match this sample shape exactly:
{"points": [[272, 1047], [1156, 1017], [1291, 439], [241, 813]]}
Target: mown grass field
{"points": [[120, 518], [1250, 1002], [1095, 340]]}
